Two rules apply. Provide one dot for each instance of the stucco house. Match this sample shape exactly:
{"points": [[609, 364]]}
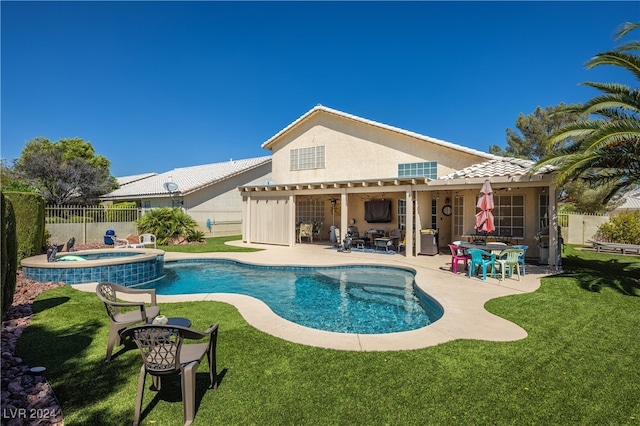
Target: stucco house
{"points": [[329, 166], [208, 193]]}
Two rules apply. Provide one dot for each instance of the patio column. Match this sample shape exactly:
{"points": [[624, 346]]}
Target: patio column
{"points": [[553, 228], [344, 213], [246, 223], [409, 228], [292, 220]]}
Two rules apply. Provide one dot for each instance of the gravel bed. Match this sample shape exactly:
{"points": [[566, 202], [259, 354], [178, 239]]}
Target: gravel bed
{"points": [[27, 398]]}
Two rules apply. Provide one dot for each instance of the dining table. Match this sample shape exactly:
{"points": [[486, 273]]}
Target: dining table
{"points": [[489, 247]]}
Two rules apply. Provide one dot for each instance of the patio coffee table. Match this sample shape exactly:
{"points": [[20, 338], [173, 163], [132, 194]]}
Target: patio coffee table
{"points": [[179, 321]]}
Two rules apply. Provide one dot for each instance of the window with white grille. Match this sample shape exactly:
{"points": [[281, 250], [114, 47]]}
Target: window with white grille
{"points": [[428, 169], [508, 215], [307, 158], [458, 215], [309, 211]]}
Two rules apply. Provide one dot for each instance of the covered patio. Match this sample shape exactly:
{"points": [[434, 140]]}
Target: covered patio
{"points": [[525, 209]]}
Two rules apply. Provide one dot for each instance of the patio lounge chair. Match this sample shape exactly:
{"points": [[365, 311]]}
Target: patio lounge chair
{"points": [[121, 313], [510, 258], [164, 354], [118, 242], [306, 231], [481, 259]]}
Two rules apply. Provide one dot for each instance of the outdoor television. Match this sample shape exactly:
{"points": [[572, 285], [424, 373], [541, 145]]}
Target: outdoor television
{"points": [[377, 211]]}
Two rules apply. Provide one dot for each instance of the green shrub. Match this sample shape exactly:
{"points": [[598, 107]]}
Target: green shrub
{"points": [[165, 223], [29, 209], [621, 228], [9, 253], [195, 236]]}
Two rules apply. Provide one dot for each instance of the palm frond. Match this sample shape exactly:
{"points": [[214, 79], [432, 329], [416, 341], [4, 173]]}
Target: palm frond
{"points": [[628, 47], [603, 151], [621, 59], [625, 28], [611, 88]]}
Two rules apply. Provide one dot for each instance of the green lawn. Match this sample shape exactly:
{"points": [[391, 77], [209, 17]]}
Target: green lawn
{"points": [[210, 245], [580, 364]]}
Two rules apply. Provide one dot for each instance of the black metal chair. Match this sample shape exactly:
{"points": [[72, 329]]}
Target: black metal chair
{"points": [[121, 313], [164, 354]]}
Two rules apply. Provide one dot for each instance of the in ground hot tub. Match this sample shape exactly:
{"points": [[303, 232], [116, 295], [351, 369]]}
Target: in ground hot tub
{"points": [[127, 267]]}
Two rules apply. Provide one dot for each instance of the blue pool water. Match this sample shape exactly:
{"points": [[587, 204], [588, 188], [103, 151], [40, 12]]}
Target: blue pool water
{"points": [[99, 256], [350, 299]]}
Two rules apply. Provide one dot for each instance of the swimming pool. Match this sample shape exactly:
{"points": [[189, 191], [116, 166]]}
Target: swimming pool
{"points": [[345, 299], [125, 267]]}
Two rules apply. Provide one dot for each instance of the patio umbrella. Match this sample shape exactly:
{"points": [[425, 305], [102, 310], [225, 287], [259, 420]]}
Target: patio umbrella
{"points": [[484, 218]]}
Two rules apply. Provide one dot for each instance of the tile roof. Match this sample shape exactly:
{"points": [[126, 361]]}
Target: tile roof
{"points": [[322, 108], [188, 179], [502, 166], [126, 180], [631, 201]]}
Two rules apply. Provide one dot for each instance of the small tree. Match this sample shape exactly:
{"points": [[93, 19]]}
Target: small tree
{"points": [[65, 171], [533, 131], [10, 179]]}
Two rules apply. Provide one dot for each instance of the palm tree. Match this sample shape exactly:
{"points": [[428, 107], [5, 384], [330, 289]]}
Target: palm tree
{"points": [[603, 151]]}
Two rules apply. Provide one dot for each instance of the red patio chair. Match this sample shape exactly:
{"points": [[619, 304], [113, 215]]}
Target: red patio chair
{"points": [[458, 254]]}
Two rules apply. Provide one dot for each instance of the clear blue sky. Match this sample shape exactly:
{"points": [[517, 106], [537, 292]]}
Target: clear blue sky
{"points": [[159, 85]]}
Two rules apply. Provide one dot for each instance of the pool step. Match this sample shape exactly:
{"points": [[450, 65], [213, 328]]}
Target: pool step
{"points": [[372, 294]]}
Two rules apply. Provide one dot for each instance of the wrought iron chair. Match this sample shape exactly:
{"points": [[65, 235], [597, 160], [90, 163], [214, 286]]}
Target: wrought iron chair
{"points": [[164, 354], [481, 259], [121, 313]]}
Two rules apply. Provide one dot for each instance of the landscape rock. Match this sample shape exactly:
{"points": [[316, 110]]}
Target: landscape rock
{"points": [[27, 399]]}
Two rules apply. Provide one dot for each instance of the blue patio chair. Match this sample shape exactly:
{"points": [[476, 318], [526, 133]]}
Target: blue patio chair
{"points": [[481, 258], [521, 258]]}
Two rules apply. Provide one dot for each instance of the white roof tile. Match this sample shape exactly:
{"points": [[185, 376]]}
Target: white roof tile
{"points": [[502, 166], [188, 179], [126, 180], [631, 201]]}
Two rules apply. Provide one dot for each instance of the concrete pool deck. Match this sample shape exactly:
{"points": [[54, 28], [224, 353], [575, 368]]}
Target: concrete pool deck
{"points": [[461, 297]]}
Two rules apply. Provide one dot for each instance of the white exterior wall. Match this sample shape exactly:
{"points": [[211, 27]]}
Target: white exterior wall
{"points": [[355, 150], [222, 203]]}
